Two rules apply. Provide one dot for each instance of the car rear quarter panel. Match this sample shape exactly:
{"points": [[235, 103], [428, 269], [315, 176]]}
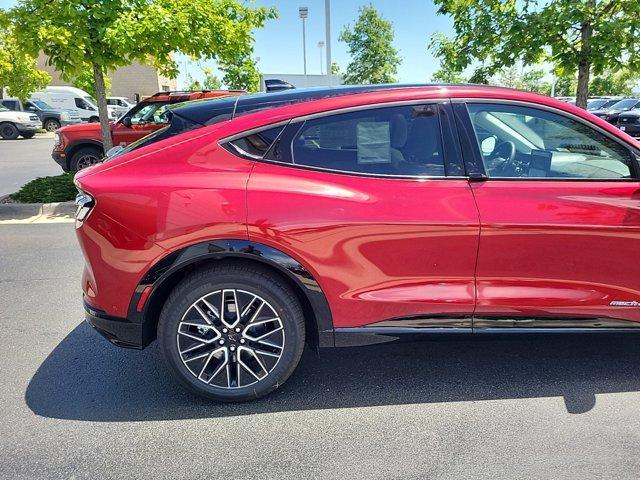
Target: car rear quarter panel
{"points": [[173, 196]]}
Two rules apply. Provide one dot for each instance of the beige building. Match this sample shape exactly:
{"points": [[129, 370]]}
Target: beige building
{"points": [[135, 81]]}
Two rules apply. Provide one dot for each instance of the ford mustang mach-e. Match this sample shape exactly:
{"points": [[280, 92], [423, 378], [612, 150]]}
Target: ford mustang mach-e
{"points": [[343, 216]]}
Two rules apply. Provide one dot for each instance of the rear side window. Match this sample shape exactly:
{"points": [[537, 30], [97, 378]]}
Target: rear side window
{"points": [[395, 141], [256, 145]]}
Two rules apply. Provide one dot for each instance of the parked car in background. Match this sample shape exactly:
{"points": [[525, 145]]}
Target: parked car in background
{"points": [[51, 118], [71, 98], [14, 124], [351, 216], [121, 105], [611, 114], [601, 103], [629, 122], [79, 146]]}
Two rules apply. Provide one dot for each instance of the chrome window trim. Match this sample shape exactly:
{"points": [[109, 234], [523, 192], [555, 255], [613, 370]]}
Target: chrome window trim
{"points": [[633, 151]]}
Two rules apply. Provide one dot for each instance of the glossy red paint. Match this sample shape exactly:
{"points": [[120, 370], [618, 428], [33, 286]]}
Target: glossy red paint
{"points": [[372, 267], [379, 248], [564, 248]]}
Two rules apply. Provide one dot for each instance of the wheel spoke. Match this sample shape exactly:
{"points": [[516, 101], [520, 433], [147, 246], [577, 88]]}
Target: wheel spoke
{"points": [[229, 309], [202, 313], [211, 307]]}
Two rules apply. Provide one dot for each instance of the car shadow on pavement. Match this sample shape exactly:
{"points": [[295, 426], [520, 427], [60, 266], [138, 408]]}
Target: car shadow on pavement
{"points": [[86, 378]]}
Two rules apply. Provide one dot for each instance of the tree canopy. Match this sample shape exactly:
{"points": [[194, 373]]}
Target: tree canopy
{"points": [[580, 36], [18, 71], [373, 56], [102, 35]]}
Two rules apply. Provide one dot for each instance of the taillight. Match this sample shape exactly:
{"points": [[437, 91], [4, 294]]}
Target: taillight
{"points": [[84, 203]]}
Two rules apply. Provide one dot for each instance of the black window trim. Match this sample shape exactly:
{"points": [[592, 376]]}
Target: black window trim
{"points": [[634, 153], [298, 122]]}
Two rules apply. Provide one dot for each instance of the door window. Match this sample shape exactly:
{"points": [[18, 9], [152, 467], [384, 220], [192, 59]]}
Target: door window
{"points": [[396, 141], [518, 142], [151, 113]]}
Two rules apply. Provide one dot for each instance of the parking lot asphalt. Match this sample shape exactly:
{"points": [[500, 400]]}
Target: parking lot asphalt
{"points": [[24, 159], [74, 406]]}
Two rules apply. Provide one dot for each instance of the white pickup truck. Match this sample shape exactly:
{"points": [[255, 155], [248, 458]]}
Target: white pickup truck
{"points": [[14, 124]]}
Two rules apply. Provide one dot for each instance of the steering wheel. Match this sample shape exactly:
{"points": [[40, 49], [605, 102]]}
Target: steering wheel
{"points": [[502, 158]]}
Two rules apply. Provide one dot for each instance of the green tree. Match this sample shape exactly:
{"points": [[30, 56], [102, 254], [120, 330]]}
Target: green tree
{"points": [[614, 83], [241, 73], [531, 80], [18, 71], [85, 82], [370, 43], [335, 68], [575, 35], [107, 34], [211, 81]]}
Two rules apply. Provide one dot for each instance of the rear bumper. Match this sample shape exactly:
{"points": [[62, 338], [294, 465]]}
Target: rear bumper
{"points": [[631, 129], [73, 121], [119, 331], [27, 127]]}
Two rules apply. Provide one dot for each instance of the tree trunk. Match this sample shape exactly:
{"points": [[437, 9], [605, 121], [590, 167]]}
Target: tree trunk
{"points": [[103, 113], [584, 62], [582, 94]]}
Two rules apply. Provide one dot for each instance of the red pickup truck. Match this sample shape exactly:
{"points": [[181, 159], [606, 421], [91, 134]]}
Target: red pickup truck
{"points": [[79, 146]]}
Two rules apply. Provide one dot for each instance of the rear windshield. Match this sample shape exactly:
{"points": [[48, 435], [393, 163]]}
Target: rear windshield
{"points": [[176, 126], [627, 103]]}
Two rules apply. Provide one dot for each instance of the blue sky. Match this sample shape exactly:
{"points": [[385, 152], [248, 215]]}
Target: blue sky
{"points": [[279, 43]]}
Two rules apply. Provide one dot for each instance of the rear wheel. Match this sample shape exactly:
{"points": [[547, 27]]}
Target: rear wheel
{"points": [[51, 125], [8, 131], [85, 157], [231, 332]]}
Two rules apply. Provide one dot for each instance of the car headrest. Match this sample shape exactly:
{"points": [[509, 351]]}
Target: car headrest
{"points": [[399, 131]]}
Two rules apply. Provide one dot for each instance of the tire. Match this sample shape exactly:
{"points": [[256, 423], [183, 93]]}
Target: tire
{"points": [[28, 135], [85, 157], [51, 125], [94, 120], [270, 306], [8, 131]]}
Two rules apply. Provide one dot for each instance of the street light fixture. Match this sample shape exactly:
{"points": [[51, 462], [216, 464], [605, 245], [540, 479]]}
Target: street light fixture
{"points": [[303, 12]]}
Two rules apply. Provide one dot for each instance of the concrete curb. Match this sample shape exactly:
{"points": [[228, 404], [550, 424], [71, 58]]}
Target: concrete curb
{"points": [[31, 212]]}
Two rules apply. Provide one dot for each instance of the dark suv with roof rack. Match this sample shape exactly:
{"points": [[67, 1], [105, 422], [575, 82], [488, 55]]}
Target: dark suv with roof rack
{"points": [[79, 146]]}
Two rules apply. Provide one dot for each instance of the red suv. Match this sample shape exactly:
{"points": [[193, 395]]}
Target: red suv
{"points": [[79, 146], [353, 216]]}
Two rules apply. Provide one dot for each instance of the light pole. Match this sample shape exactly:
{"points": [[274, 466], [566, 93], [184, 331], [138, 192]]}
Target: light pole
{"points": [[321, 46], [303, 12], [327, 28]]}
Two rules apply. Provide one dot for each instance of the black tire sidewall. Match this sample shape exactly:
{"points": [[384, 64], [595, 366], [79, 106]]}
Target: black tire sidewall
{"points": [[51, 121], [83, 151], [14, 131], [279, 296]]}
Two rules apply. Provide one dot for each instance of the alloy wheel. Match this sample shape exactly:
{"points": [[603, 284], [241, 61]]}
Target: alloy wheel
{"points": [[87, 160], [230, 338]]}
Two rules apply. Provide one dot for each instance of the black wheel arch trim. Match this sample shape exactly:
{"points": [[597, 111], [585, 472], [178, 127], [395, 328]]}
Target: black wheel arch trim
{"points": [[179, 262], [73, 147]]}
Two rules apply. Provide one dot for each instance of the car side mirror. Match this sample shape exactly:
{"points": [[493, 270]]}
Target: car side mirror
{"points": [[31, 109], [126, 121]]}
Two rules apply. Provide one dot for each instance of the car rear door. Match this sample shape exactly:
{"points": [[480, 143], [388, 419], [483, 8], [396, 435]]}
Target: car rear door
{"points": [[375, 204], [560, 219]]}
